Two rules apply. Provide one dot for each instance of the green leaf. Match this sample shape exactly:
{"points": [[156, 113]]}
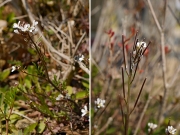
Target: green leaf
{"points": [[43, 108], [69, 89], [30, 128], [85, 84], [10, 18], [82, 94], [50, 32], [41, 127], [5, 109], [1, 99], [48, 88], [28, 83], [10, 96], [14, 118], [4, 74], [32, 51]]}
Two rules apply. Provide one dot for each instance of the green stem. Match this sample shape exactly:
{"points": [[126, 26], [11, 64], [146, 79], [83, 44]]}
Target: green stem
{"points": [[128, 109], [7, 119]]}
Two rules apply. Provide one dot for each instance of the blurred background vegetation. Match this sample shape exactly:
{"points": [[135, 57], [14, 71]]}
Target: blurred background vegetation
{"points": [[126, 17]]}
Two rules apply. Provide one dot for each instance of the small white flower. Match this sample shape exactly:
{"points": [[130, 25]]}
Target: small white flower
{"points": [[143, 44], [34, 23], [67, 96], [13, 68], [81, 58], [100, 103], [16, 31], [25, 27], [170, 130], [60, 96], [16, 25], [151, 126], [84, 111], [95, 126]]}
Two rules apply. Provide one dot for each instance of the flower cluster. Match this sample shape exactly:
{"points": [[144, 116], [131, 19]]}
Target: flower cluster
{"points": [[139, 48], [141, 44], [100, 103], [151, 126], [22, 27], [170, 130], [84, 111]]}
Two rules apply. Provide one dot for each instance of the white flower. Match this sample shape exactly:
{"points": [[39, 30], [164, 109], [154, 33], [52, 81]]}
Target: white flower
{"points": [[25, 27], [143, 44], [84, 111], [15, 25], [81, 58], [170, 130], [16, 31], [60, 96], [100, 103], [34, 23], [151, 126], [13, 68], [95, 126], [67, 96]]}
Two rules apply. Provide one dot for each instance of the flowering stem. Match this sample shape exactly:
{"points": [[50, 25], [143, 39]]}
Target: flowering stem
{"points": [[124, 56], [43, 62]]}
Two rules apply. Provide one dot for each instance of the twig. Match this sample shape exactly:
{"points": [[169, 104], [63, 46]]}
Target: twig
{"points": [[154, 16], [70, 33], [3, 3], [82, 78], [82, 66], [161, 30], [20, 17], [79, 43]]}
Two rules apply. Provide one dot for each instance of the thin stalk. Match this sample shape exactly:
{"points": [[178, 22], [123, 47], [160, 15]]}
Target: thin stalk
{"points": [[44, 63], [7, 126], [138, 96], [126, 123], [122, 112], [123, 44], [7, 119], [127, 116], [123, 83]]}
